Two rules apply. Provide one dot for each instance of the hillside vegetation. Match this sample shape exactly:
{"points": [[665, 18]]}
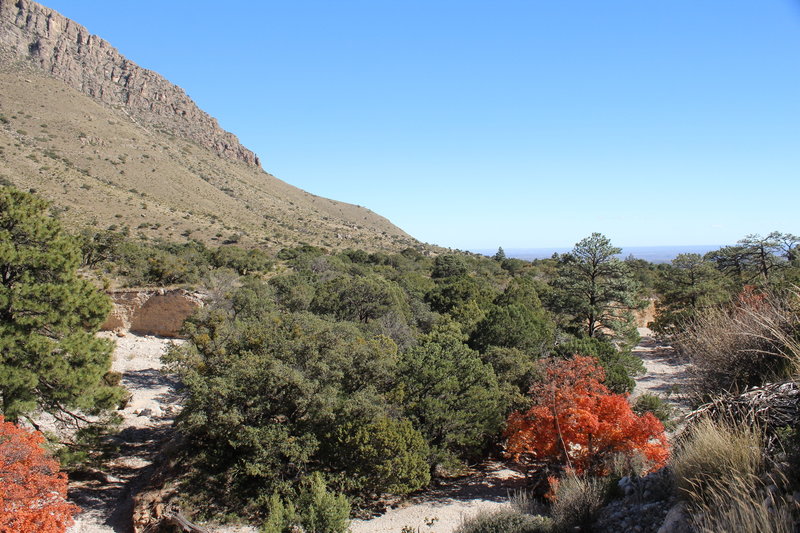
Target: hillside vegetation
{"points": [[101, 169]]}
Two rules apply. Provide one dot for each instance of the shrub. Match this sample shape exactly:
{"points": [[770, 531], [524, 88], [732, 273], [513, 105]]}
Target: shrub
{"points": [[32, 489], [263, 391], [619, 364], [576, 422], [652, 403], [322, 511], [743, 345], [449, 394], [504, 521], [577, 500], [713, 453], [384, 456], [318, 510]]}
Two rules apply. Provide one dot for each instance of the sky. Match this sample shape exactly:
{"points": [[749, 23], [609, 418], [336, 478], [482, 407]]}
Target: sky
{"points": [[516, 123]]}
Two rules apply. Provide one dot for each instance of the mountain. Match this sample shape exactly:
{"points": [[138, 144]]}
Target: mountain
{"points": [[112, 144]]}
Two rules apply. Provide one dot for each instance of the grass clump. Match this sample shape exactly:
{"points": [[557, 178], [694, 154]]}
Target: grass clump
{"points": [[578, 500], [742, 505], [714, 453], [505, 521], [742, 345]]}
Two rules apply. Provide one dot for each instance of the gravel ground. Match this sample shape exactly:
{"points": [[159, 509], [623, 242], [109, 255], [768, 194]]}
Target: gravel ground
{"points": [[666, 373], [147, 419], [441, 509]]}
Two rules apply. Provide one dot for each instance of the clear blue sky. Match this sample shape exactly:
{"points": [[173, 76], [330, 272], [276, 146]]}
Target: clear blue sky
{"points": [[523, 124]]}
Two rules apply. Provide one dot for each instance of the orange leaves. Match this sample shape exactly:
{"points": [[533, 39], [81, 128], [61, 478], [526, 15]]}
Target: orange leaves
{"points": [[32, 489], [576, 422]]}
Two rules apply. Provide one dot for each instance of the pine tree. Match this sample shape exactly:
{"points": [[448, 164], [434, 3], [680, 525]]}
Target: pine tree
{"points": [[49, 355], [595, 288]]}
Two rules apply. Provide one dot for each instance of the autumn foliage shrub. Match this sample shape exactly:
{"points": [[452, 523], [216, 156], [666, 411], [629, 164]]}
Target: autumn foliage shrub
{"points": [[32, 489], [577, 423]]}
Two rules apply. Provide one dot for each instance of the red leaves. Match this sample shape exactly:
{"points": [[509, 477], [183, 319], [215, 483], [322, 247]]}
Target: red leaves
{"points": [[576, 422], [32, 489]]}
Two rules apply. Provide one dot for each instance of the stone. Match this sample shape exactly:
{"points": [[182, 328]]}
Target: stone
{"points": [[158, 312], [676, 521], [67, 51]]}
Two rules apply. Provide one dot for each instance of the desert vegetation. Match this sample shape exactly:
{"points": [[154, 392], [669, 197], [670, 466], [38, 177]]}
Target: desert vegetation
{"points": [[318, 384]]}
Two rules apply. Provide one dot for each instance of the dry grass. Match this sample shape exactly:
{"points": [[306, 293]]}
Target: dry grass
{"points": [[504, 521], [578, 499], [741, 505], [714, 453], [742, 345], [100, 168]]}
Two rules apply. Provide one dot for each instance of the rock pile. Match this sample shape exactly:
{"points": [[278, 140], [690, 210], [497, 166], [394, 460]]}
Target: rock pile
{"points": [[644, 506]]}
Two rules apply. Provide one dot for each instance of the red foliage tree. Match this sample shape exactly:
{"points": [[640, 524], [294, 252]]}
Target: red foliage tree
{"points": [[577, 423], [32, 489]]}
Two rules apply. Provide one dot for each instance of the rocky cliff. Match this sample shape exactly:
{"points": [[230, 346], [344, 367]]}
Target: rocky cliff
{"points": [[159, 312], [32, 33]]}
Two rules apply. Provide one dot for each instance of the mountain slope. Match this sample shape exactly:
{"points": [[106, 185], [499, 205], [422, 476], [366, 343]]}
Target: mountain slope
{"points": [[114, 145]]}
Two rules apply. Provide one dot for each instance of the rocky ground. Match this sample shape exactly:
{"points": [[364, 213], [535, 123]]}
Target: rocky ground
{"points": [[147, 420], [666, 372]]}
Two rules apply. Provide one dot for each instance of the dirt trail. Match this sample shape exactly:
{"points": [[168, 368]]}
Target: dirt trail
{"points": [[440, 509], [147, 421], [666, 374]]}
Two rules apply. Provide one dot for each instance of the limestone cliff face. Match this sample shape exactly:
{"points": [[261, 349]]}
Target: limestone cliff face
{"points": [[66, 50], [159, 312]]}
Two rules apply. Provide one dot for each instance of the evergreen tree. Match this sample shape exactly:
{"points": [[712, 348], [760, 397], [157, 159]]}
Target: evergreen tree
{"points": [[595, 288], [686, 286], [49, 355]]}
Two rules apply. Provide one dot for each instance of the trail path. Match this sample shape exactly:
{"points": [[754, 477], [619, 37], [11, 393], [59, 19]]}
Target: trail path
{"points": [[147, 419], [440, 509], [666, 374]]}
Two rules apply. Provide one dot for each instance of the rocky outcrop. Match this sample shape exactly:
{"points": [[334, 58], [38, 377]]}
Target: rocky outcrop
{"points": [[158, 312], [67, 51], [644, 505]]}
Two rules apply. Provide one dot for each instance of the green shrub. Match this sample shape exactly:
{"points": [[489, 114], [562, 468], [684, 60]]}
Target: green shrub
{"points": [[504, 521], [450, 394], [264, 391], [620, 366], [318, 510], [241, 260], [652, 403], [384, 456], [322, 511]]}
